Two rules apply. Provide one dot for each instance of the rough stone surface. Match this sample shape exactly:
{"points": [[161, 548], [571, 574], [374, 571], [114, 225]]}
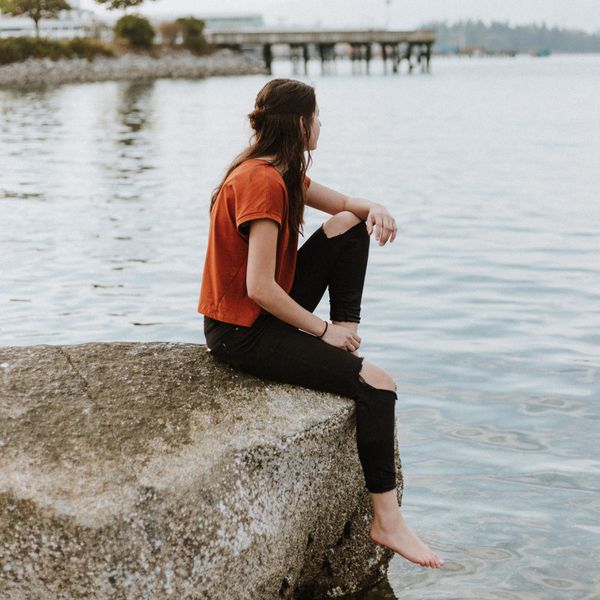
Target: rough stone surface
{"points": [[150, 471], [128, 66]]}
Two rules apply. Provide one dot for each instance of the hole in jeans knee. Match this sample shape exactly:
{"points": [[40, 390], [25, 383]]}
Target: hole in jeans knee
{"points": [[344, 220], [362, 380]]}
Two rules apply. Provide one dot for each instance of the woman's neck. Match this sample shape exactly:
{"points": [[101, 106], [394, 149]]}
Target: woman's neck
{"points": [[271, 160]]}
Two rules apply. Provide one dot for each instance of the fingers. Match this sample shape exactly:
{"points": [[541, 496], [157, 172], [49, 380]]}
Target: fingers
{"points": [[385, 228], [389, 230], [379, 229], [343, 338], [355, 339], [370, 223], [353, 342], [392, 229]]}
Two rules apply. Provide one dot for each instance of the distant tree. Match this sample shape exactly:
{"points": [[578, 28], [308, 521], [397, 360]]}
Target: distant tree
{"points": [[120, 4], [169, 32], [501, 36], [191, 30], [136, 30], [35, 9]]}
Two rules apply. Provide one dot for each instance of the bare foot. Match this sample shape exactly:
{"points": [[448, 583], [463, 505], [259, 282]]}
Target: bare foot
{"points": [[396, 535]]}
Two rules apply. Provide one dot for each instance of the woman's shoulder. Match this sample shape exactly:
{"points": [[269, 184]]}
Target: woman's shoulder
{"points": [[256, 171]]}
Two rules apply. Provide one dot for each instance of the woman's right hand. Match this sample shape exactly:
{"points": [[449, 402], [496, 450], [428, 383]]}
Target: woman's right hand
{"points": [[341, 337]]}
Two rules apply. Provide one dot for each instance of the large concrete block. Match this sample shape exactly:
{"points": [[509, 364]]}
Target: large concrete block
{"points": [[150, 471]]}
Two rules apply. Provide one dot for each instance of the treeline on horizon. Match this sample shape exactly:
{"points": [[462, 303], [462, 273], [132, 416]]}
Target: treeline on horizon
{"points": [[502, 36]]}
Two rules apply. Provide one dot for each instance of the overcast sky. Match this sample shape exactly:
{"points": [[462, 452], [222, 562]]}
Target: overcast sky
{"points": [[404, 14]]}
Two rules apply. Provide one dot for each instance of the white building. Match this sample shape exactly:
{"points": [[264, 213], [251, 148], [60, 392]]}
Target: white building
{"points": [[69, 24], [242, 21], [217, 21]]}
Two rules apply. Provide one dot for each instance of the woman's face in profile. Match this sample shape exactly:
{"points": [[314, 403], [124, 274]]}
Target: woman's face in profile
{"points": [[315, 130]]}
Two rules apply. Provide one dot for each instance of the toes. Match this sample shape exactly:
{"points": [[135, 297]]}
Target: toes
{"points": [[433, 561]]}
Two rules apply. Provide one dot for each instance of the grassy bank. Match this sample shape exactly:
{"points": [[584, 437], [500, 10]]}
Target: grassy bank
{"points": [[18, 49]]}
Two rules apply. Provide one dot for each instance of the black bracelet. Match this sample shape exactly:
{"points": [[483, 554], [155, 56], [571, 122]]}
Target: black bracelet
{"points": [[326, 326]]}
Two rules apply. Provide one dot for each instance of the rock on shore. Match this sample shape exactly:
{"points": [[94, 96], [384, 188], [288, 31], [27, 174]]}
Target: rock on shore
{"points": [[128, 66], [150, 471]]}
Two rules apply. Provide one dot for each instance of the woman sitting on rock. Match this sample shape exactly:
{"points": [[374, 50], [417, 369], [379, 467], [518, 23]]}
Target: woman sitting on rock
{"points": [[259, 290]]}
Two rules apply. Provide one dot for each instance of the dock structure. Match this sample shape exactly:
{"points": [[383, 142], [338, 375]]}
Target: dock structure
{"points": [[414, 47]]}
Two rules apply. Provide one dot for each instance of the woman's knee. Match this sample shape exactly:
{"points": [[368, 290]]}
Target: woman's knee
{"points": [[377, 377], [340, 223]]}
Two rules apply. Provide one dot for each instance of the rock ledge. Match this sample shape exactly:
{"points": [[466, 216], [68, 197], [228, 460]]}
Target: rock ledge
{"points": [[150, 471]]}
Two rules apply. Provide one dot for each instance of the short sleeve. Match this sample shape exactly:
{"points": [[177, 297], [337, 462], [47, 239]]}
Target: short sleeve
{"points": [[259, 197], [307, 181]]}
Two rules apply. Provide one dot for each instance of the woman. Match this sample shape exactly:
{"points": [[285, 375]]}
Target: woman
{"points": [[259, 291]]}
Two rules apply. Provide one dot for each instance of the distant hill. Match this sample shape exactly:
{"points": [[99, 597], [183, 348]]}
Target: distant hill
{"points": [[501, 36]]}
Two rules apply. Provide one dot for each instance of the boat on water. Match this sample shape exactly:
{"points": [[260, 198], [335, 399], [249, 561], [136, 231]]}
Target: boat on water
{"points": [[543, 52]]}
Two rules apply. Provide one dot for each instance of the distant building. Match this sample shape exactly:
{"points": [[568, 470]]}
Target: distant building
{"points": [[240, 21], [69, 24], [229, 21]]}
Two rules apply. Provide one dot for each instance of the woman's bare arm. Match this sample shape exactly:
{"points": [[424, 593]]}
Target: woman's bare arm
{"points": [[267, 293], [332, 202], [261, 284]]}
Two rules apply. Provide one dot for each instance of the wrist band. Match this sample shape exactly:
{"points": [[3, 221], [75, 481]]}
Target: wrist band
{"points": [[326, 326]]}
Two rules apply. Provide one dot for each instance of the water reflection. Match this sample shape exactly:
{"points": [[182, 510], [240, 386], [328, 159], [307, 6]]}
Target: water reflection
{"points": [[127, 144], [134, 107]]}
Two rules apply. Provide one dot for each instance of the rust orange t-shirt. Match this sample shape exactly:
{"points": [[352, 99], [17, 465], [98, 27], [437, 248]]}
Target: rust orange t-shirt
{"points": [[253, 190]]}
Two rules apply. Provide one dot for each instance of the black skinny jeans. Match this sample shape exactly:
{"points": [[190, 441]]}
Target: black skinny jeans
{"points": [[275, 350]]}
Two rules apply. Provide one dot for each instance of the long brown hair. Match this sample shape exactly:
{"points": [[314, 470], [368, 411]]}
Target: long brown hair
{"points": [[277, 132]]}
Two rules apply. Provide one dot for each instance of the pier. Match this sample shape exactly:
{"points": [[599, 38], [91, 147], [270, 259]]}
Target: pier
{"points": [[394, 47]]}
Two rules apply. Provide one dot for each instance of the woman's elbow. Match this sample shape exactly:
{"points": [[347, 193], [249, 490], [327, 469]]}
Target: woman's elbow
{"points": [[258, 291], [253, 295]]}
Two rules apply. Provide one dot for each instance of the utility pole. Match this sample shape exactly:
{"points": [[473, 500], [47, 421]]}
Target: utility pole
{"points": [[388, 14]]}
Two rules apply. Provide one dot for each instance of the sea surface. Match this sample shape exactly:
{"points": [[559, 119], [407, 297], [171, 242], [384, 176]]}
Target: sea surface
{"points": [[486, 308]]}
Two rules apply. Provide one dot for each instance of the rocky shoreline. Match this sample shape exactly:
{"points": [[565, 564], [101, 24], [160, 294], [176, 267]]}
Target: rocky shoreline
{"points": [[130, 66]]}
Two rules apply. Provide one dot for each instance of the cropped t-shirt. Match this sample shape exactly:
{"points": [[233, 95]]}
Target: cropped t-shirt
{"points": [[253, 190]]}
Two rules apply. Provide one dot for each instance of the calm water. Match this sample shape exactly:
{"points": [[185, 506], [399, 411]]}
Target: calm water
{"points": [[486, 308]]}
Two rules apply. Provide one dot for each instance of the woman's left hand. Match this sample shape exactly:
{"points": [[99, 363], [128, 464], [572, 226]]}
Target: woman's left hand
{"points": [[383, 223]]}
